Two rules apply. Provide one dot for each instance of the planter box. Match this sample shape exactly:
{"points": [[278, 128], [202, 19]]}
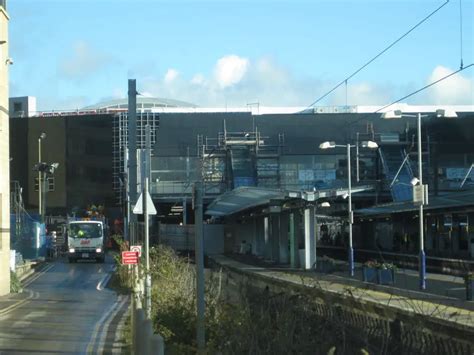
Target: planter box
{"points": [[386, 276], [379, 276], [370, 274], [325, 266]]}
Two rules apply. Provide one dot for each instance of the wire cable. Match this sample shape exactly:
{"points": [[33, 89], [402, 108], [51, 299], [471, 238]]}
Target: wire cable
{"points": [[460, 31], [379, 54], [425, 87], [414, 92]]}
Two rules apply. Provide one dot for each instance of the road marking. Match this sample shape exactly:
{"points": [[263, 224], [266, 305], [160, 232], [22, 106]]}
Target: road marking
{"points": [[105, 328], [103, 282], [38, 274], [31, 295], [98, 325]]}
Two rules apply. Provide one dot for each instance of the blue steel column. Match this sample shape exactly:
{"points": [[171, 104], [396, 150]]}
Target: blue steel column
{"points": [[293, 242], [283, 238]]}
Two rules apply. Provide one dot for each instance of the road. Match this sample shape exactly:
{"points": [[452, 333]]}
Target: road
{"points": [[65, 309]]}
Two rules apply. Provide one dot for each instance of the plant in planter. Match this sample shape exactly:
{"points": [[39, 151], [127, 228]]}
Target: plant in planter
{"points": [[381, 273], [386, 274], [369, 270], [469, 281]]}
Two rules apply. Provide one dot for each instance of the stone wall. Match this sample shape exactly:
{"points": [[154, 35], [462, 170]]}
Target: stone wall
{"points": [[379, 328]]}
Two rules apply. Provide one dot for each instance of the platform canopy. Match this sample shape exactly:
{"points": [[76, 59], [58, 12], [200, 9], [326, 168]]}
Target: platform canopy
{"points": [[243, 198], [449, 200]]}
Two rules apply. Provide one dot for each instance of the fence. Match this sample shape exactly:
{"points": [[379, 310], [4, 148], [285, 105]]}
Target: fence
{"points": [[27, 236]]}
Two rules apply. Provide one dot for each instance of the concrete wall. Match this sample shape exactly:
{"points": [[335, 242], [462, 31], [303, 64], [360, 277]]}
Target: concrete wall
{"points": [[182, 237], [4, 159]]}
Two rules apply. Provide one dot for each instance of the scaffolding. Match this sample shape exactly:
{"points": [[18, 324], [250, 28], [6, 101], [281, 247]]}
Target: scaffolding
{"points": [[236, 159], [120, 146]]}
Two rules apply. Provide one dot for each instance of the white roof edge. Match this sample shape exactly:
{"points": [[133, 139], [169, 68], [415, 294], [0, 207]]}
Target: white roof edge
{"points": [[262, 110], [266, 110]]}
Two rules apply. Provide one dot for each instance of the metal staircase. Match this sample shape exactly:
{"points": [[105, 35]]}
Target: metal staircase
{"points": [[398, 172]]}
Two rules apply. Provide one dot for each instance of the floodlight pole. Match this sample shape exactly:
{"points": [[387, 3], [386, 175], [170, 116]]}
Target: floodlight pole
{"points": [[368, 144], [349, 198], [422, 258]]}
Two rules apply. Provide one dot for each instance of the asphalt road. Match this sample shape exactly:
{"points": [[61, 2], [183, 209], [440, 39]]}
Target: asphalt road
{"points": [[65, 309]]}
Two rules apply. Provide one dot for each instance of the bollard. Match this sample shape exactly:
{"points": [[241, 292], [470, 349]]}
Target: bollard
{"points": [[157, 345], [147, 334], [138, 346]]}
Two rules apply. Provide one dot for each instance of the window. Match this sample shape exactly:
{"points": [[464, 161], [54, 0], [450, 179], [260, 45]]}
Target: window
{"points": [[17, 107]]}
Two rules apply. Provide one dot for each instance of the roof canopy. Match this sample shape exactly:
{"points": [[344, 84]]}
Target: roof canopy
{"points": [[452, 200], [243, 198]]}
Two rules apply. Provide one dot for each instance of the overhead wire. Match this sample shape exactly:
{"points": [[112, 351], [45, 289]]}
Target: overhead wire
{"points": [[460, 33], [414, 92], [380, 53]]}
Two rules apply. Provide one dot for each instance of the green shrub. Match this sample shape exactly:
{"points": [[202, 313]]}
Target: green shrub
{"points": [[15, 283]]}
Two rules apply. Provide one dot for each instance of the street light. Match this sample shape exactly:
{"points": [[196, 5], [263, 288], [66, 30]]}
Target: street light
{"points": [[447, 113], [365, 144], [40, 210]]}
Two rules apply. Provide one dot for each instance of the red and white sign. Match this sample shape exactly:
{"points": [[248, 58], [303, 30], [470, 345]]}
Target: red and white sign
{"points": [[137, 249], [129, 257]]}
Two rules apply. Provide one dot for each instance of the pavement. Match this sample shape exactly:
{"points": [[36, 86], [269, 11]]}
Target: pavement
{"points": [[443, 300], [64, 309]]}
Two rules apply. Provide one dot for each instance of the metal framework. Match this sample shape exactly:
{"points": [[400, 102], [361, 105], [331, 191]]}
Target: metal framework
{"points": [[120, 145], [220, 155]]}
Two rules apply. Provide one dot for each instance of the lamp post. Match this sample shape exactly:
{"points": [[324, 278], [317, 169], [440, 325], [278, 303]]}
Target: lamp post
{"points": [[419, 181], [40, 209], [365, 144]]}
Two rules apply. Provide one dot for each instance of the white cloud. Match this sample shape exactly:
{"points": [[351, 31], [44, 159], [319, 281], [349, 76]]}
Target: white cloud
{"points": [[198, 79], [236, 81], [170, 76], [84, 61], [456, 90], [362, 93], [230, 70]]}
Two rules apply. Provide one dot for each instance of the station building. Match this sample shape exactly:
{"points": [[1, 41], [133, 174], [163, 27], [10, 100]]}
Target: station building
{"points": [[264, 173]]}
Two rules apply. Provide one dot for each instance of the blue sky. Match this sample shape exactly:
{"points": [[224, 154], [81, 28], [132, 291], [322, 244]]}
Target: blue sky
{"points": [[71, 53]]}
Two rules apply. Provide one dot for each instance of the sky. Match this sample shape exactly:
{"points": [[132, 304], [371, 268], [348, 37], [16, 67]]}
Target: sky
{"points": [[222, 53]]}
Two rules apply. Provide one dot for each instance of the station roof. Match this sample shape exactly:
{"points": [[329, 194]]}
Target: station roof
{"points": [[451, 200], [243, 198]]}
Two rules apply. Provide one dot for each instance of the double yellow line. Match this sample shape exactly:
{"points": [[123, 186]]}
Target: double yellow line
{"points": [[31, 294], [38, 274], [101, 327]]}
